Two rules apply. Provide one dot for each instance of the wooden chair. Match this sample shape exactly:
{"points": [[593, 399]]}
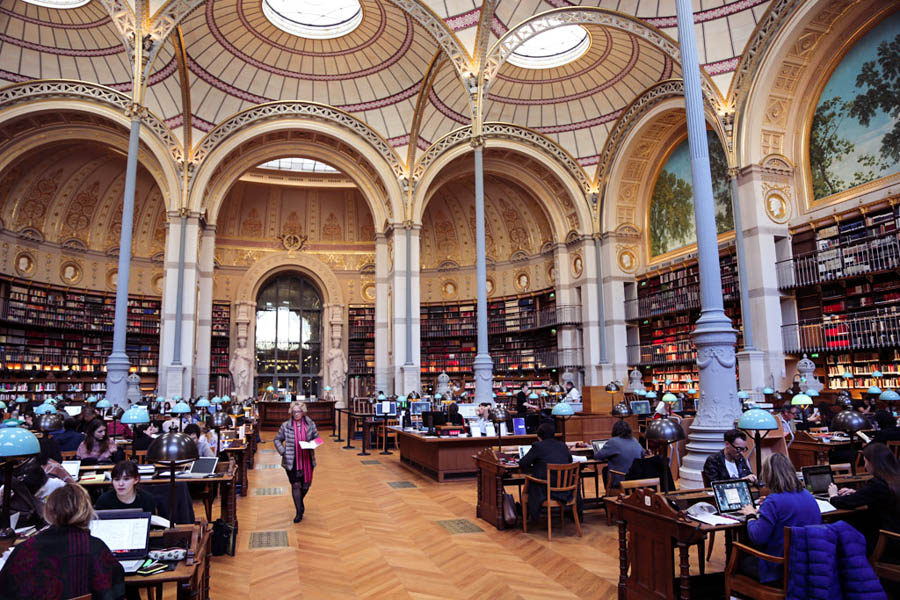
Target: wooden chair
{"points": [[566, 477], [841, 469], [68, 454], [650, 482], [747, 586], [885, 570], [590, 472], [894, 445], [141, 456], [386, 434], [611, 491]]}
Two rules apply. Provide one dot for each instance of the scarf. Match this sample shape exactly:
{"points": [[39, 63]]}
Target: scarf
{"points": [[301, 457]]}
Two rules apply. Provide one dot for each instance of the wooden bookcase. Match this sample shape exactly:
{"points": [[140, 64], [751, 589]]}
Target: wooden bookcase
{"points": [[56, 340], [361, 350], [219, 356]]}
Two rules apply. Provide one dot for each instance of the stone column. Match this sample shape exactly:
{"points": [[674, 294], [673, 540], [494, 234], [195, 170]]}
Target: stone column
{"points": [[382, 333], [613, 280], [714, 336], [334, 356], [483, 366], [204, 309], [118, 364], [591, 318], [405, 321]]}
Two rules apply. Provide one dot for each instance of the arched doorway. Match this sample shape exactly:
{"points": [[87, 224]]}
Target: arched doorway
{"points": [[289, 335]]}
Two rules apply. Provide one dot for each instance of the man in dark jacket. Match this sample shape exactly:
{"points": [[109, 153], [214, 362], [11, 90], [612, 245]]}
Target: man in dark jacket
{"points": [[729, 463], [68, 437], [547, 451]]}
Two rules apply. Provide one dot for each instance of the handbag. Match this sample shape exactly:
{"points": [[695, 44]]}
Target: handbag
{"points": [[509, 509]]}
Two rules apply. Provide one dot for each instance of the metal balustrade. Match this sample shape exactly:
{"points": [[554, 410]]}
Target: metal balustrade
{"points": [[871, 330], [850, 259], [504, 323]]}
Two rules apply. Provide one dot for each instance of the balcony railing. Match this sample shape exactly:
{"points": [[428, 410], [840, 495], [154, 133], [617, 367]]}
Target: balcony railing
{"points": [[879, 329], [676, 300], [515, 360], [851, 259], [654, 354], [501, 324]]}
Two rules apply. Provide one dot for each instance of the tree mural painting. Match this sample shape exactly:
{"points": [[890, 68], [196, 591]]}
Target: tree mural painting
{"points": [[672, 204], [855, 135]]}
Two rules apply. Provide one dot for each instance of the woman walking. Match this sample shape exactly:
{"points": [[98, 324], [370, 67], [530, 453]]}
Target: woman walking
{"points": [[298, 463]]}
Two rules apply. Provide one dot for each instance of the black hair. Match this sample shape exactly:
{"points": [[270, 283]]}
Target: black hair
{"points": [[453, 409], [734, 434], [70, 424], [90, 440], [885, 419], [621, 429], [546, 431], [125, 468], [192, 428]]}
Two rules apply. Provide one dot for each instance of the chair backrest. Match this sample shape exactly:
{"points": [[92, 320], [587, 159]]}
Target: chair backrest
{"points": [[894, 445], [650, 482], [565, 477], [140, 456], [841, 469], [818, 429], [68, 454]]}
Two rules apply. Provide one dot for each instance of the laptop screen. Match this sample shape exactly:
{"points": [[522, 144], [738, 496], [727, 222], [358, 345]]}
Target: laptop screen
{"points": [[417, 408], [597, 445], [731, 495], [126, 534], [72, 467], [385, 408], [523, 450], [204, 465], [640, 407], [72, 411], [817, 479]]}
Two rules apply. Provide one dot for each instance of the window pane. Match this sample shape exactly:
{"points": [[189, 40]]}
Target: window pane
{"points": [[311, 299]]}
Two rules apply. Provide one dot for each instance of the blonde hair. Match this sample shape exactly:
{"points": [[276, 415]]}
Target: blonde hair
{"points": [[779, 475], [300, 405], [69, 506]]}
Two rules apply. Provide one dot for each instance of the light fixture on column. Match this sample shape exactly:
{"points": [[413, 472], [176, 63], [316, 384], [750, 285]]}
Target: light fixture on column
{"points": [[851, 422], [15, 443], [666, 431], [754, 421], [170, 450]]}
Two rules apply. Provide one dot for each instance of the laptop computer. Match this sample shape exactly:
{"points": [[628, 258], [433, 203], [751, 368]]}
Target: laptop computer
{"points": [[817, 480], [385, 408], [731, 496], [523, 450], [72, 467], [597, 445], [126, 533], [417, 408], [202, 467], [73, 411], [640, 407]]}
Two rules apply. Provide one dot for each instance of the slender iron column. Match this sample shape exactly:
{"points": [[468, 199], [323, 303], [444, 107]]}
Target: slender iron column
{"points": [[117, 365], [483, 365], [742, 262], [714, 336]]}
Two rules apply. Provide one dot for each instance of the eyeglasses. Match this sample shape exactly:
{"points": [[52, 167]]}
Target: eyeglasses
{"points": [[740, 449]]}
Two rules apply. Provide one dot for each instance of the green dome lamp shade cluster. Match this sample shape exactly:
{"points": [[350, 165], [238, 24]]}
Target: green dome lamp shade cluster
{"points": [[755, 421], [666, 431], [15, 443]]}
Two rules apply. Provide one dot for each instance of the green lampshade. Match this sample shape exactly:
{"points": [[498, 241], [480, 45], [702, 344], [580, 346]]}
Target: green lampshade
{"points": [[216, 400], [2, 405], [382, 397], [669, 397], [327, 388], [135, 415], [691, 391], [563, 409], [668, 382], [91, 399], [45, 409], [812, 393], [889, 396], [15, 442], [767, 390], [654, 381], [874, 391], [493, 395], [180, 408], [104, 403], [877, 374], [743, 395], [202, 403], [757, 418], [270, 388], [650, 396], [21, 400], [226, 398], [12, 422], [801, 400], [847, 375], [640, 392], [533, 396], [52, 401], [160, 400]]}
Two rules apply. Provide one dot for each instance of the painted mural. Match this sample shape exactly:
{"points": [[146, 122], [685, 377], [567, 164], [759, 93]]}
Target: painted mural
{"points": [[855, 136], [672, 203]]}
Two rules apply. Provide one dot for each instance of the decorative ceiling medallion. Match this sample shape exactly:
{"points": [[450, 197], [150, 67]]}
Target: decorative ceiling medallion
{"points": [[552, 48], [577, 265], [489, 284], [627, 260], [368, 291], [522, 281], [70, 272], [112, 278], [157, 283], [314, 19], [293, 242], [449, 289], [778, 209], [25, 264]]}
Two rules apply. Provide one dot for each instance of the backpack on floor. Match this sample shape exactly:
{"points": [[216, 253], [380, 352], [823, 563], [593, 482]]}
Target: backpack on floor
{"points": [[224, 538]]}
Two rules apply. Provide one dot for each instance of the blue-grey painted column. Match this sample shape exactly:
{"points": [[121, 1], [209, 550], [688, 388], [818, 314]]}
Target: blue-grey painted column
{"points": [[601, 318], [483, 365], [409, 362], [118, 364], [746, 317], [714, 336]]}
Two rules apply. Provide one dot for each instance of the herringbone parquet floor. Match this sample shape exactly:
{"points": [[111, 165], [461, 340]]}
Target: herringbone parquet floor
{"points": [[363, 538]]}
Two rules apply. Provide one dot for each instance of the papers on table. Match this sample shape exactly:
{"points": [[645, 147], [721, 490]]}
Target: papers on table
{"points": [[311, 445], [713, 519], [577, 458], [825, 506]]}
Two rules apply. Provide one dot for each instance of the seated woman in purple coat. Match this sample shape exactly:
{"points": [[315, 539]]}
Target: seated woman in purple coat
{"points": [[788, 504]]}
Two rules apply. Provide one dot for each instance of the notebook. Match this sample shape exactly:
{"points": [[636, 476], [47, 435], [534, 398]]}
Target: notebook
{"points": [[126, 533]]}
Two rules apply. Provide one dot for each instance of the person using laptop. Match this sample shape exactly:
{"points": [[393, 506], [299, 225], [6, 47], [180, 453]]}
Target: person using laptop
{"points": [[203, 448], [729, 462], [64, 560], [453, 416], [547, 451], [298, 462], [789, 504], [621, 451], [126, 493]]}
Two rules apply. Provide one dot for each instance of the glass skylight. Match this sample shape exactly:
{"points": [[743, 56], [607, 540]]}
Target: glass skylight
{"points": [[314, 19], [58, 3], [303, 165], [552, 48]]}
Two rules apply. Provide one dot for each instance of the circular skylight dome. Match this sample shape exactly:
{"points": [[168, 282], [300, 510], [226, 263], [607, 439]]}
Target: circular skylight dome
{"points": [[314, 19], [552, 48], [58, 3]]}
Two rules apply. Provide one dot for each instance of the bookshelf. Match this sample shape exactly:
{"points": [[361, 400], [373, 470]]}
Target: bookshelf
{"points": [[521, 340], [361, 350], [57, 340], [664, 312], [219, 346], [843, 275]]}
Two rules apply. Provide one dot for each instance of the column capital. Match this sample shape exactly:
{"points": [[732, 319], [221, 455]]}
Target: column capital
{"points": [[477, 142]]}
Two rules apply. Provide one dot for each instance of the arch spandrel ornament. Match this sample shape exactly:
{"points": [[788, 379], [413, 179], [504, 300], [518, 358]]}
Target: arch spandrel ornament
{"points": [[263, 270]]}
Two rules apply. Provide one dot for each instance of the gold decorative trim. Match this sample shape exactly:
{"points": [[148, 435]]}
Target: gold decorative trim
{"points": [[70, 272], [522, 281], [627, 260], [449, 289], [367, 291], [25, 264]]}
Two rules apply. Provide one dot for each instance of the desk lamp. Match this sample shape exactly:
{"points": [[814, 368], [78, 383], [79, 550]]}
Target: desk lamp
{"points": [[753, 422], [48, 422], [802, 400], [889, 396], [768, 392], [564, 411], [181, 408], [850, 421], [217, 402], [669, 398], [203, 404], [15, 443], [873, 393], [640, 393], [269, 390], [157, 405], [667, 431], [498, 415], [135, 416], [170, 450], [743, 396], [45, 409], [534, 396], [219, 421], [103, 405], [612, 386], [91, 399], [20, 400], [2, 407], [622, 411]]}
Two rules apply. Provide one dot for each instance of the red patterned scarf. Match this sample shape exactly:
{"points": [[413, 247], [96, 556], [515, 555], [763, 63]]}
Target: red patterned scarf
{"points": [[301, 457]]}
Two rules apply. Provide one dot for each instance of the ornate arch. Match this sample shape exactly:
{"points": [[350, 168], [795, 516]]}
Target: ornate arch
{"points": [[312, 267]]}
